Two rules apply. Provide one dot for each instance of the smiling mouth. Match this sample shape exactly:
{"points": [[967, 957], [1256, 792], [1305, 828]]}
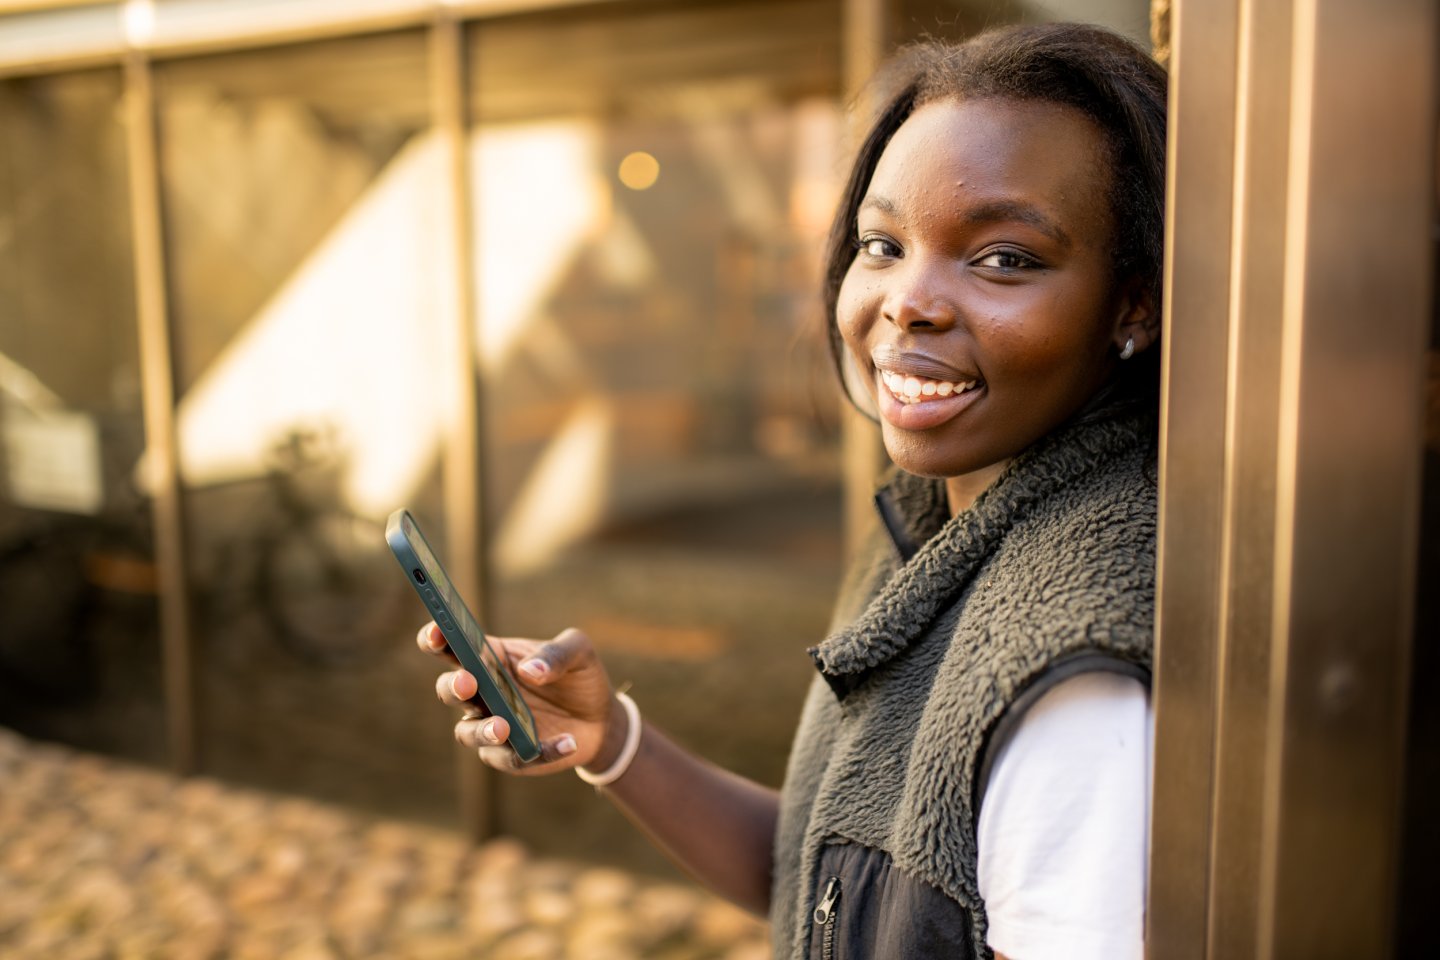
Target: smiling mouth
{"points": [[910, 389]]}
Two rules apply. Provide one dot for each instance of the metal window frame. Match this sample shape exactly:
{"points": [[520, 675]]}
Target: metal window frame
{"points": [[462, 479], [62, 35], [157, 380]]}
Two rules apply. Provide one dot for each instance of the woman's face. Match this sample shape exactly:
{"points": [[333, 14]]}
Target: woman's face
{"points": [[981, 304]]}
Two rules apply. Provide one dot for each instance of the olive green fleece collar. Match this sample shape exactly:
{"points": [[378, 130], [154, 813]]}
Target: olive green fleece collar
{"points": [[951, 553]]}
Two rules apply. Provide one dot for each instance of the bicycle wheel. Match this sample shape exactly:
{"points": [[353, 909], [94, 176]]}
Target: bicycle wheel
{"points": [[330, 591]]}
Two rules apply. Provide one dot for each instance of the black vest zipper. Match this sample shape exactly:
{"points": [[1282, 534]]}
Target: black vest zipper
{"points": [[825, 918]]}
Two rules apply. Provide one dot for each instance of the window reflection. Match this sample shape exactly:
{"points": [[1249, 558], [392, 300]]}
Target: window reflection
{"points": [[660, 462], [79, 644], [300, 189]]}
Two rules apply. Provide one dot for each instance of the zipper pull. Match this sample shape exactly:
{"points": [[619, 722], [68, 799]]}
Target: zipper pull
{"points": [[826, 910]]}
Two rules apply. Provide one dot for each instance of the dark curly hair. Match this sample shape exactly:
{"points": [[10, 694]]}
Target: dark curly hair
{"points": [[1105, 76]]}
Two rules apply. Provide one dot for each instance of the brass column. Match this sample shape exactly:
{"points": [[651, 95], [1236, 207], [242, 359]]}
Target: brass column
{"points": [[1298, 286], [1192, 462]]}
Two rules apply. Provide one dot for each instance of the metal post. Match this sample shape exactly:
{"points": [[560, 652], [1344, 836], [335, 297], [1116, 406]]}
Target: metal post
{"points": [[462, 479], [1192, 477], [158, 391], [1298, 285], [1356, 312], [1247, 521]]}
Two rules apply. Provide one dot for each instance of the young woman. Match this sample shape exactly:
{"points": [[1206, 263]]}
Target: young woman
{"points": [[971, 769]]}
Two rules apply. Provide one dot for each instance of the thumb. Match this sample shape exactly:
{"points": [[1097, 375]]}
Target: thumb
{"points": [[560, 748], [552, 659]]}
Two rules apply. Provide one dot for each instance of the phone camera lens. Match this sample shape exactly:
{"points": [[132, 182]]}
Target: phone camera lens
{"points": [[419, 575]]}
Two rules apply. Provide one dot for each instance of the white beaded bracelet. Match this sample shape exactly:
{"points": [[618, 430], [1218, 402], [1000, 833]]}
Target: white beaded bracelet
{"points": [[627, 752]]}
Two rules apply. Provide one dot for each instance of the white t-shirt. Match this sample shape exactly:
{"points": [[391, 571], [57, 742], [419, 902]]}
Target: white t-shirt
{"points": [[1063, 835]]}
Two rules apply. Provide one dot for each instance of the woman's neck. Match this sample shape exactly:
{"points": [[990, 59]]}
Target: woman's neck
{"points": [[961, 491]]}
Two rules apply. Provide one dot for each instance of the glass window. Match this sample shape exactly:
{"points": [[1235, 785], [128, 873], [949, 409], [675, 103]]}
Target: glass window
{"points": [[79, 635], [300, 187], [653, 184]]}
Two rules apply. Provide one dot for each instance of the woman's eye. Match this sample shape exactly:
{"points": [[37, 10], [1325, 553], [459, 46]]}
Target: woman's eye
{"points": [[878, 247], [1008, 260]]}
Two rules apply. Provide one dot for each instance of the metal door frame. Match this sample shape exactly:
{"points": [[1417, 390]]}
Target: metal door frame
{"points": [[1298, 285]]}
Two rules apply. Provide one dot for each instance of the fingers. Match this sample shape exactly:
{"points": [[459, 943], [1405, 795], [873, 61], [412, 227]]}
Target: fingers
{"points": [[480, 733], [560, 748], [488, 735], [554, 658], [432, 641], [554, 754], [570, 653], [455, 688]]}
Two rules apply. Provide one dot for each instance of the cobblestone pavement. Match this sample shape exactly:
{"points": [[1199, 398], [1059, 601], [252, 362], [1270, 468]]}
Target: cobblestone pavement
{"points": [[102, 859]]}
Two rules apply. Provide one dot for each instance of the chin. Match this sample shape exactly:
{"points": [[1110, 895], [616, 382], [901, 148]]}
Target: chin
{"points": [[926, 456], [916, 456]]}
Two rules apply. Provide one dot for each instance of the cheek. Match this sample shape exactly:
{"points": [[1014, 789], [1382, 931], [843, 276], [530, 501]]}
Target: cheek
{"points": [[1045, 341], [851, 315]]}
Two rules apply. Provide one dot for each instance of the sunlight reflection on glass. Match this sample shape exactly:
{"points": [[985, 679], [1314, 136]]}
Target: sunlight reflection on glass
{"points": [[565, 495], [350, 341], [528, 236]]}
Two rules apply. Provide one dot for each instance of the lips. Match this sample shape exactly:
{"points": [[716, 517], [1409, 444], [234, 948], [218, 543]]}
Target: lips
{"points": [[917, 391], [914, 377]]}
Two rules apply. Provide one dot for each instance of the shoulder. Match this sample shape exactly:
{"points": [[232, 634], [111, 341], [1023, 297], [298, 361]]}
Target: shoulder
{"points": [[1061, 833], [1097, 717], [1090, 542], [1114, 506], [1079, 568]]}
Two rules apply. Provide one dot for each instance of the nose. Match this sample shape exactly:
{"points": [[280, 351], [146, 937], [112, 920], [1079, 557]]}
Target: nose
{"points": [[918, 297]]}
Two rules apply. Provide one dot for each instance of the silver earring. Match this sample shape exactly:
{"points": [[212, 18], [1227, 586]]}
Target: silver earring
{"points": [[1129, 350]]}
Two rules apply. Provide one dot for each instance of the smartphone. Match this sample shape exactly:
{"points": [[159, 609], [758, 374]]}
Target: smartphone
{"points": [[498, 694]]}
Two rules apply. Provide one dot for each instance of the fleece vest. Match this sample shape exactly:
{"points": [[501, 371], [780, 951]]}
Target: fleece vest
{"points": [[932, 645]]}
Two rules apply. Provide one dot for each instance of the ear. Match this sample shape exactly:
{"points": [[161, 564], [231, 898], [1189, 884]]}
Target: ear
{"points": [[1137, 317]]}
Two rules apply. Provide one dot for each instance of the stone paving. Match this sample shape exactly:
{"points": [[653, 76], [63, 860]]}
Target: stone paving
{"points": [[101, 859]]}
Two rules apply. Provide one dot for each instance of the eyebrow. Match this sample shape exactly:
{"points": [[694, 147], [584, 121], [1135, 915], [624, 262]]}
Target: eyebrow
{"points": [[998, 211], [877, 202], [994, 211]]}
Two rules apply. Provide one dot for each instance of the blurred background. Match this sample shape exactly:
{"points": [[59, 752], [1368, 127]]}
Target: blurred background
{"points": [[242, 253], [545, 273]]}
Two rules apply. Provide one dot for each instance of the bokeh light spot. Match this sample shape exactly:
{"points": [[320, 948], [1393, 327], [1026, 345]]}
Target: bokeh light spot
{"points": [[639, 170]]}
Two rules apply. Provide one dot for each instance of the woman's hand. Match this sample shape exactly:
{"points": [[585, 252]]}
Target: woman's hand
{"points": [[666, 790], [578, 718]]}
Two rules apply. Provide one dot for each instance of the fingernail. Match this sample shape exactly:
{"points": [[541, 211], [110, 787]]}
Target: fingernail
{"points": [[565, 745], [487, 729], [534, 669]]}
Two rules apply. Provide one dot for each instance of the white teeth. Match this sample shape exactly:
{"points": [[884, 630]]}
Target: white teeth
{"points": [[914, 390]]}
